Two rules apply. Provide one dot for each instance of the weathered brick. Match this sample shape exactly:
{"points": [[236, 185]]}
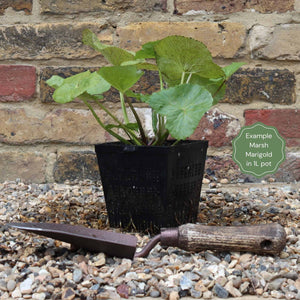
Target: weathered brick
{"points": [[287, 122], [230, 6], [222, 39], [76, 126], [66, 7], [218, 128], [28, 166], [25, 5], [147, 84], [17, 83], [51, 40], [280, 42], [76, 165], [224, 167], [275, 86]]}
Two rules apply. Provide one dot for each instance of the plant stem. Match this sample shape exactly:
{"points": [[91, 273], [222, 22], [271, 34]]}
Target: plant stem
{"points": [[113, 117], [138, 120], [126, 120], [219, 88], [161, 80], [182, 78], [175, 143], [121, 139], [189, 78]]}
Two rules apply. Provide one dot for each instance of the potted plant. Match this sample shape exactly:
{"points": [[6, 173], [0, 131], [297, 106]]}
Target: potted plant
{"points": [[151, 181]]}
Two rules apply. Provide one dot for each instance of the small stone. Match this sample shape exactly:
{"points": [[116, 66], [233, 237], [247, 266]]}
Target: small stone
{"points": [[277, 294], [232, 290], [185, 283], [39, 296], [123, 290], [174, 295], [266, 275], [207, 295], [224, 181], [77, 275], [245, 258], [227, 258], [212, 258], [221, 280], [16, 293], [220, 291], [237, 281], [123, 268], [68, 294], [45, 210], [195, 294], [3, 285], [276, 284], [205, 181], [154, 294], [87, 283], [11, 285], [25, 286], [99, 260], [290, 275]]}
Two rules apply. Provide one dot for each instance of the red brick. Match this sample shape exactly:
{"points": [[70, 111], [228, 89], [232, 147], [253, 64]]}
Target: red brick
{"points": [[17, 83], [287, 122], [218, 128]]}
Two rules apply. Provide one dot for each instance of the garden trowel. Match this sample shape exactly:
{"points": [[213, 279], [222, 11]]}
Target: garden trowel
{"points": [[261, 239]]}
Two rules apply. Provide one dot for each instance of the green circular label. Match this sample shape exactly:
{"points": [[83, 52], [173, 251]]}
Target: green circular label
{"points": [[258, 149]]}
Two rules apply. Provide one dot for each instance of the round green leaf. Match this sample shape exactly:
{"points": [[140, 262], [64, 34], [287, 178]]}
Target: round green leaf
{"points": [[121, 77], [177, 54], [183, 106]]}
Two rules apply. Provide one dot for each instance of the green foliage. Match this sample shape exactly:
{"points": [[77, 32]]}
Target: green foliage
{"points": [[121, 77], [191, 83], [183, 106]]}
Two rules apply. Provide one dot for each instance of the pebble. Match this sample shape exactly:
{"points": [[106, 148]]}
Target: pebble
{"points": [[35, 267], [174, 296], [25, 286], [11, 285], [185, 283], [220, 291], [77, 275]]}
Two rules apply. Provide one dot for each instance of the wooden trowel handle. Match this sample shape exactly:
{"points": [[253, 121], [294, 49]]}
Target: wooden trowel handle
{"points": [[262, 239]]}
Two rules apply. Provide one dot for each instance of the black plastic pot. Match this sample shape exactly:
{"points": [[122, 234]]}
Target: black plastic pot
{"points": [[147, 188]]}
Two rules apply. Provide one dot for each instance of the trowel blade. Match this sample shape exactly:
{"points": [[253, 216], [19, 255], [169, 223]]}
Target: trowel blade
{"points": [[111, 243]]}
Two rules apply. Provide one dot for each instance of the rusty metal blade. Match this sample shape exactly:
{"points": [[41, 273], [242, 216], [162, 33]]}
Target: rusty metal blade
{"points": [[111, 243]]}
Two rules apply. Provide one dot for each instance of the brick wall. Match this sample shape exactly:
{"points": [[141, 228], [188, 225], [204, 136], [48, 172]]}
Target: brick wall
{"points": [[41, 141]]}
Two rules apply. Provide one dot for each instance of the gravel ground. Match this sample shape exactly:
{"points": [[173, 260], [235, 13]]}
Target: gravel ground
{"points": [[35, 267]]}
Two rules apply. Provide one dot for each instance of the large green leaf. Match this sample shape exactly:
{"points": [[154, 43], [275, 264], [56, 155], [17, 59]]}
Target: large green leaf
{"points": [[95, 84], [147, 50], [177, 54], [114, 55], [72, 87], [183, 106], [140, 64], [232, 68], [121, 77]]}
